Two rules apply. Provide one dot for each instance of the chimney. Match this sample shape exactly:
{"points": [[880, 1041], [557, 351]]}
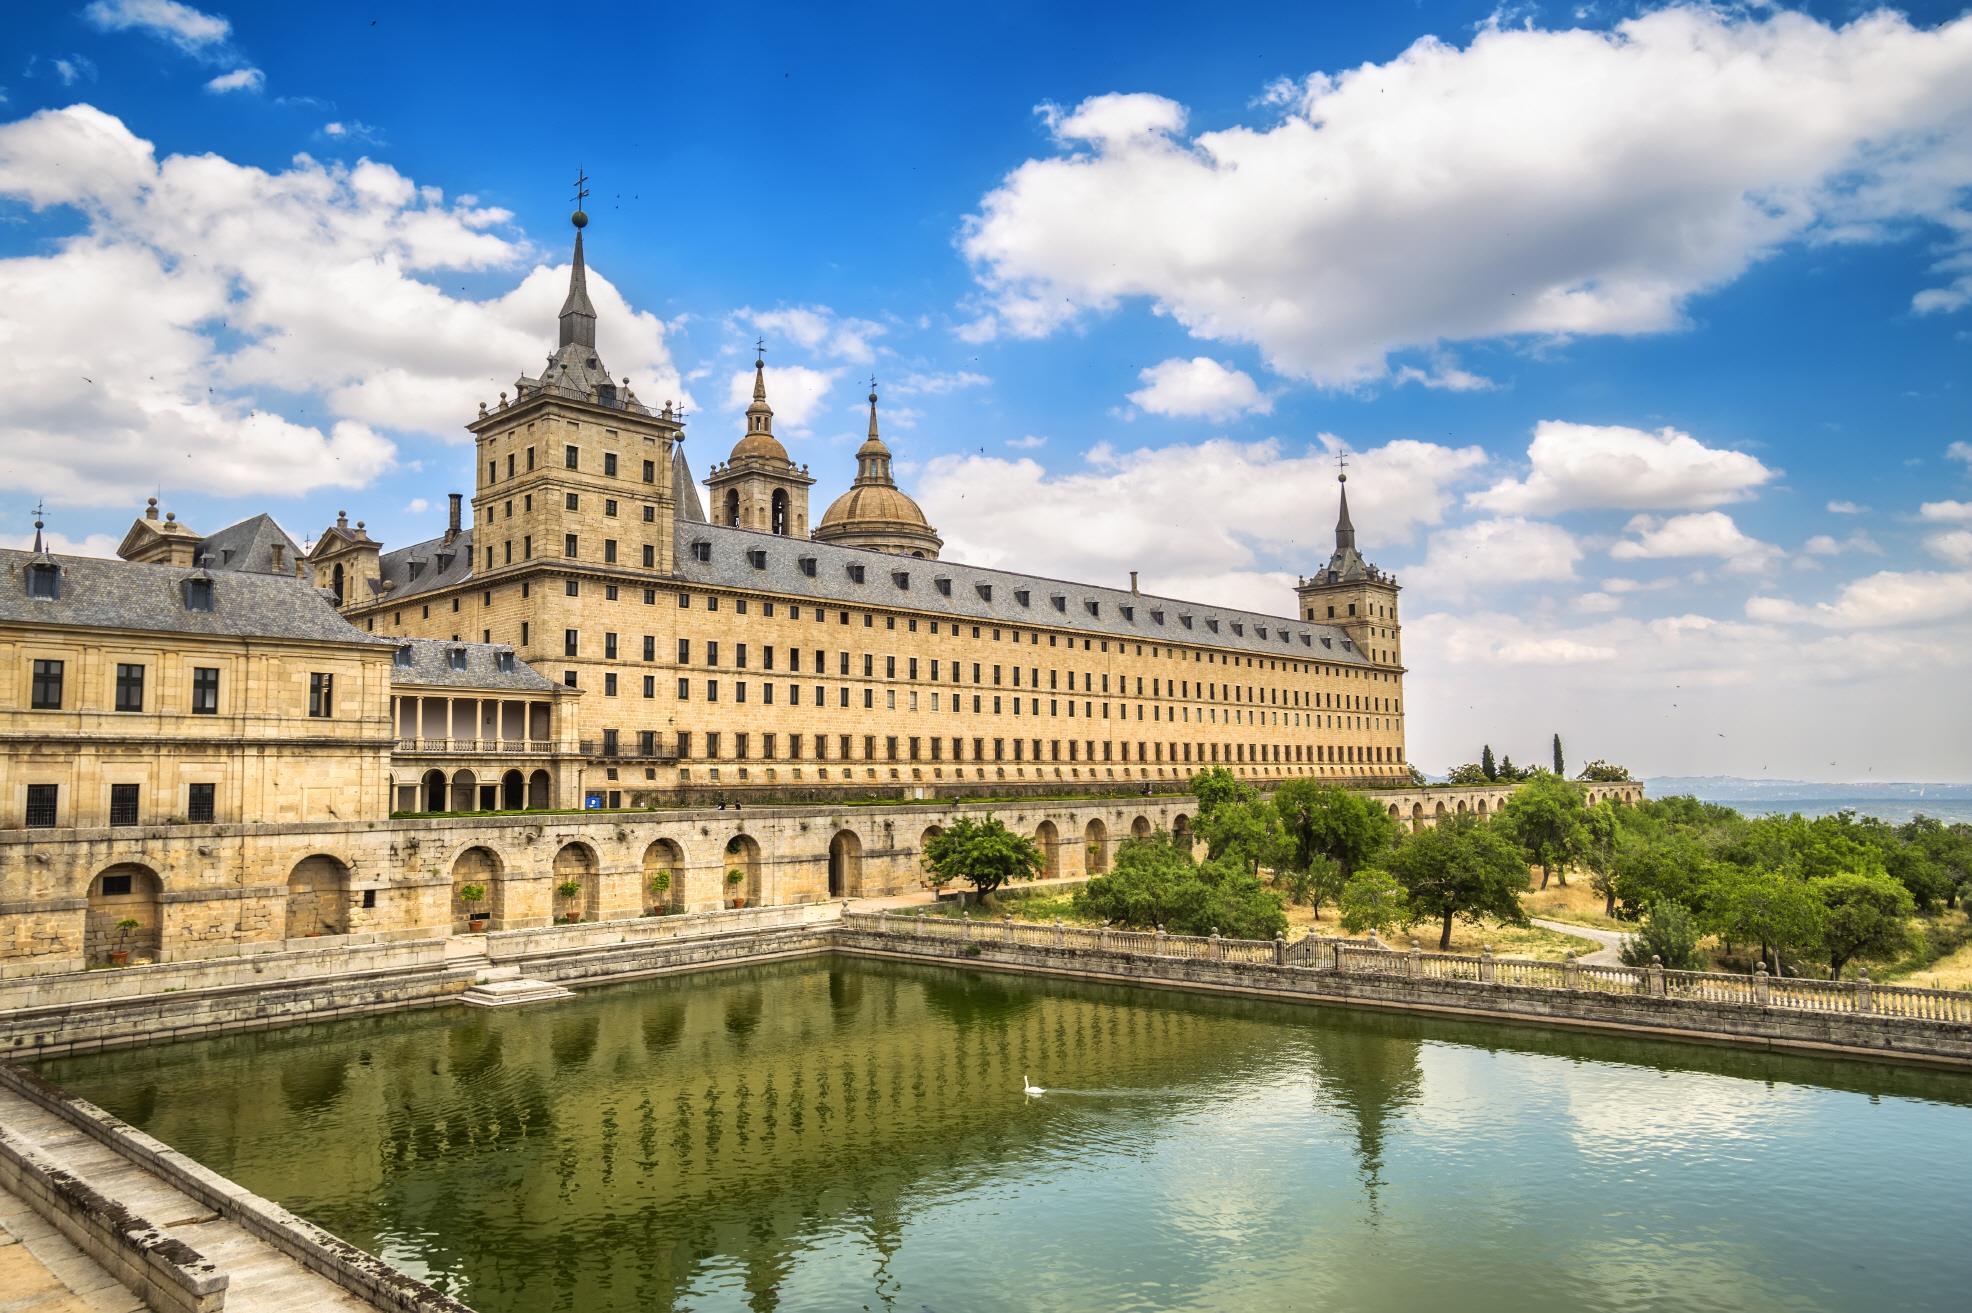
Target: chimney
{"points": [[1133, 583], [452, 516], [280, 559]]}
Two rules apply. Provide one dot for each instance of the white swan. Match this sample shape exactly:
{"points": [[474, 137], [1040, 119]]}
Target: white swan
{"points": [[1028, 1087]]}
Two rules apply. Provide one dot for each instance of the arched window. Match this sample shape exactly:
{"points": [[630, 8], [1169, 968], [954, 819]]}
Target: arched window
{"points": [[780, 512], [732, 507], [335, 583]]}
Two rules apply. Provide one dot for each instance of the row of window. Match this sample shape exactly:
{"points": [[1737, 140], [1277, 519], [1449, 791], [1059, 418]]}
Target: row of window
{"points": [[571, 459], [47, 689], [44, 804], [932, 748]]}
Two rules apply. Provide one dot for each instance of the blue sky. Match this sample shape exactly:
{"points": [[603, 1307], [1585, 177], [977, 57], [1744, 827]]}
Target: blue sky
{"points": [[1648, 327]]}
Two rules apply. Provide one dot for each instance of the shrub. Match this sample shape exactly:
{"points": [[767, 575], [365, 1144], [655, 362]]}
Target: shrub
{"points": [[1668, 933]]}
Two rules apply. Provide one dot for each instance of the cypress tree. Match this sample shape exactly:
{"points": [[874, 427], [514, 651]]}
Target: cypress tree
{"points": [[1487, 764], [1559, 769]]}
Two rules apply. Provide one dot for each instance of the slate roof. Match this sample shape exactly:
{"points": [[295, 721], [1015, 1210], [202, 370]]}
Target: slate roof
{"points": [[431, 666], [684, 489], [249, 545], [421, 567], [1116, 613], [109, 594]]}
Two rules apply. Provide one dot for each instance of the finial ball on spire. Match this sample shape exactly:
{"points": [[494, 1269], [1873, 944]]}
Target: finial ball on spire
{"points": [[579, 219]]}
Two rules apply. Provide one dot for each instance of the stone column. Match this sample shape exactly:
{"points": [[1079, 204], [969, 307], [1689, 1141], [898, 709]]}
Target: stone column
{"points": [[1571, 973], [1654, 976], [1007, 921], [1060, 935], [1280, 949], [1864, 1002], [1762, 986], [1416, 963], [1486, 967]]}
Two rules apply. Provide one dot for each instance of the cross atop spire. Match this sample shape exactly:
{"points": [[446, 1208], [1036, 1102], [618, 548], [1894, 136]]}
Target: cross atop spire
{"points": [[1342, 466], [581, 189], [578, 314]]}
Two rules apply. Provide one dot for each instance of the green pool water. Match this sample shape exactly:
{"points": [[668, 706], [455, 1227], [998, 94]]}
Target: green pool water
{"points": [[841, 1135]]}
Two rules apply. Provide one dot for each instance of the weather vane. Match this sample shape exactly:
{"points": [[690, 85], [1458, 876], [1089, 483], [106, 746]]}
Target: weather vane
{"points": [[581, 186], [760, 347], [1342, 465]]}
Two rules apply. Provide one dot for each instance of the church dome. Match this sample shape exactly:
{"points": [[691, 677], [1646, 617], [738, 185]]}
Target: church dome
{"points": [[760, 446], [875, 513], [870, 505]]}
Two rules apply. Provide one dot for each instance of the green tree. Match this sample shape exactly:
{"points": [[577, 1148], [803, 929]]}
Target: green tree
{"points": [[1862, 916], [1559, 768], [984, 852], [1544, 816], [1374, 899], [1668, 934], [1506, 770], [1601, 772], [1468, 774], [1487, 765], [1219, 787], [1154, 882], [1246, 832], [1602, 830], [1773, 910], [1461, 868], [1320, 820], [1317, 883]]}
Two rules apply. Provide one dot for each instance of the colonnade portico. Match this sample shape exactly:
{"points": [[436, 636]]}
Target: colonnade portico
{"points": [[475, 751], [452, 723]]}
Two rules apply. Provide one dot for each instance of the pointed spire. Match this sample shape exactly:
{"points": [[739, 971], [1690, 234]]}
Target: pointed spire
{"points": [[759, 415], [39, 548], [873, 436], [873, 458], [760, 370], [1345, 532], [578, 316]]}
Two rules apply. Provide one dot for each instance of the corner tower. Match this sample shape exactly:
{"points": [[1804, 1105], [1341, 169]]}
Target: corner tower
{"points": [[759, 487], [875, 513], [1354, 595]]}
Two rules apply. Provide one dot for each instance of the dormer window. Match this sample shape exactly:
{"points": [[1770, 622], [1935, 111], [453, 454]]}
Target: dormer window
{"points": [[1157, 617], [944, 586], [445, 560], [504, 662], [1261, 630], [1327, 641], [1022, 596], [808, 566], [456, 657], [1060, 603], [1129, 612], [1185, 620], [404, 657], [757, 558], [701, 550], [856, 573], [417, 568], [1212, 624], [985, 592], [1095, 608], [198, 594], [1347, 646], [1240, 629], [1307, 640], [901, 578]]}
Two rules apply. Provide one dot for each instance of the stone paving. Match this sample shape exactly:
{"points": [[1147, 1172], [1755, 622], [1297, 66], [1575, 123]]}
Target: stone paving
{"points": [[261, 1279]]}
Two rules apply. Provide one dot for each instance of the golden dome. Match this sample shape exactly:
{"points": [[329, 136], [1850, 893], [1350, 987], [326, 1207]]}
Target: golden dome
{"points": [[760, 444], [877, 502]]}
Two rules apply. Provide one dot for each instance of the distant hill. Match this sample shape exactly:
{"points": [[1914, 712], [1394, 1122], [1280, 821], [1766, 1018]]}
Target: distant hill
{"points": [[1730, 788]]}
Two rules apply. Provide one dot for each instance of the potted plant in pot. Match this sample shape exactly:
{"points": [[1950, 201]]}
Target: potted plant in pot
{"points": [[120, 955], [472, 895], [568, 890], [734, 879], [660, 885]]}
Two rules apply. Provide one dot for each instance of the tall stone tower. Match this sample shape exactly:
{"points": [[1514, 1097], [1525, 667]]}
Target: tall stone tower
{"points": [[759, 487], [1353, 594]]}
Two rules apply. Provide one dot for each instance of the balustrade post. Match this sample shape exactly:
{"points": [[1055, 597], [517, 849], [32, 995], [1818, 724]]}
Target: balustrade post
{"points": [[1280, 948], [1655, 976], [1006, 920], [1102, 937], [1335, 955], [1486, 968], [1864, 1001], [1571, 972], [1218, 946], [1060, 935], [1416, 964], [1762, 986], [1158, 947], [965, 924]]}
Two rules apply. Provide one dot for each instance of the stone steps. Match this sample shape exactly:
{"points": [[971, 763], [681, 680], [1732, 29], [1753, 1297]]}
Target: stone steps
{"points": [[511, 990]]}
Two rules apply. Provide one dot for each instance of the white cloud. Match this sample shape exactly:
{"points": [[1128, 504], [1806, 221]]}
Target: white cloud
{"points": [[1846, 508], [191, 30], [1253, 516], [416, 506], [350, 132], [1497, 553], [1954, 547], [1950, 512], [1444, 375], [1028, 443], [1705, 533], [72, 69], [1588, 466], [94, 544], [1823, 544], [797, 394], [815, 328], [1533, 183], [240, 79], [938, 384], [1960, 451], [1199, 388], [1598, 603], [1883, 600], [323, 278]]}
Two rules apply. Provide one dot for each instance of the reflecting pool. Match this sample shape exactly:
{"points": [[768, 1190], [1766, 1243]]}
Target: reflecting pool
{"points": [[833, 1134]]}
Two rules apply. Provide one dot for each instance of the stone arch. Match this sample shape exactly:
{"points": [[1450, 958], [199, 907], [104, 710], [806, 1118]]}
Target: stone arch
{"points": [[1461, 806], [664, 855], [465, 791], [1095, 841], [845, 864], [336, 582], [432, 791], [540, 790], [778, 524], [1437, 813], [481, 866], [1049, 838], [513, 791], [1181, 831], [1141, 828], [318, 897], [1417, 816], [127, 891], [577, 862], [1394, 813], [742, 855], [924, 841], [732, 511], [1480, 807]]}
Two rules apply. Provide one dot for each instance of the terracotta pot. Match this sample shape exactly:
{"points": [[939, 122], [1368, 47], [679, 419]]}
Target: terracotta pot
{"points": [[120, 958]]}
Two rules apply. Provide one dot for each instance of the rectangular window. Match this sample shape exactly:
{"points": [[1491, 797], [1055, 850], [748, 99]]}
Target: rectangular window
{"points": [[321, 695], [570, 639], [568, 544], [198, 804], [123, 804], [609, 646], [47, 691], [41, 804], [609, 463], [205, 691], [609, 551], [129, 688], [572, 457], [609, 684], [684, 690], [650, 471]]}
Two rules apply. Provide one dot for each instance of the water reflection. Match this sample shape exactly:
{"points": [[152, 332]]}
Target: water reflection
{"points": [[840, 1135]]}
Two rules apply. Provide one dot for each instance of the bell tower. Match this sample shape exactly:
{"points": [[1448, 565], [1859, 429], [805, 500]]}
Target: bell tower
{"points": [[1352, 594], [759, 487]]}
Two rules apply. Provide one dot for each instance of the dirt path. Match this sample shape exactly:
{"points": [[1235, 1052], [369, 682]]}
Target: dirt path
{"points": [[1609, 939]]}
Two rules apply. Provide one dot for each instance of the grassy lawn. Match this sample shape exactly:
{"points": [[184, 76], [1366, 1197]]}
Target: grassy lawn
{"points": [[1575, 903], [1036, 905]]}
